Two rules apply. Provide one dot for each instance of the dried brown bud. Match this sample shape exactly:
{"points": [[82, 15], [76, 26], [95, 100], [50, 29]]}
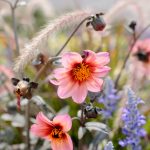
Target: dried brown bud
{"points": [[23, 88]]}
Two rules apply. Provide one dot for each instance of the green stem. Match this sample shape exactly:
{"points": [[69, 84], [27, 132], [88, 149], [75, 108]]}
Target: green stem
{"points": [[72, 35]]}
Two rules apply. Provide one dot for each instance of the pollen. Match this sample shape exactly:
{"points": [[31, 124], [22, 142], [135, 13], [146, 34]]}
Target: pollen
{"points": [[57, 133], [81, 72]]}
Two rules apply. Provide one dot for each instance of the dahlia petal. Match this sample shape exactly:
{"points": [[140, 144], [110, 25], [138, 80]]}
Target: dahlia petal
{"points": [[90, 56], [42, 120], [136, 46], [40, 131], [64, 120], [101, 72], [65, 89], [70, 58], [79, 94], [62, 144], [60, 73], [94, 85], [102, 58]]}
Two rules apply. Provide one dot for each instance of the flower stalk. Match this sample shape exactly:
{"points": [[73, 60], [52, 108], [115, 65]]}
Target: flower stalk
{"points": [[27, 116], [14, 25]]}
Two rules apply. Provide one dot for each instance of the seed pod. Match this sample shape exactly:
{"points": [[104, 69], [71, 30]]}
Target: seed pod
{"points": [[98, 22], [23, 88]]}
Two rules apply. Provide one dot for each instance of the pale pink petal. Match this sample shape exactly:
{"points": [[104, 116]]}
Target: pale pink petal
{"points": [[102, 58], [70, 58], [41, 131], [60, 73], [79, 94], [90, 56], [64, 120], [101, 72], [62, 144], [65, 89], [42, 120], [136, 46], [94, 85]]}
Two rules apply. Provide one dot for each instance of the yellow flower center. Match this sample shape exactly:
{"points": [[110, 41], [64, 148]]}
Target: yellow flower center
{"points": [[81, 72], [57, 133]]}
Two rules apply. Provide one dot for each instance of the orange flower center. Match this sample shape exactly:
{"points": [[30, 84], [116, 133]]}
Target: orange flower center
{"points": [[57, 133], [81, 72]]}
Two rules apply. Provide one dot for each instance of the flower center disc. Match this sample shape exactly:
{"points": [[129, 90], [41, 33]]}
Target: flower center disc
{"points": [[57, 133], [81, 72]]}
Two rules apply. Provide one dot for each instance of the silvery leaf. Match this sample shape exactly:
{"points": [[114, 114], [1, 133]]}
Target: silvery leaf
{"points": [[96, 126], [81, 132]]}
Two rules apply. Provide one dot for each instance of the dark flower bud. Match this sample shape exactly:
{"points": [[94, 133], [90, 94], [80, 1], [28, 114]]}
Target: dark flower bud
{"points": [[97, 22], [91, 112], [132, 25]]}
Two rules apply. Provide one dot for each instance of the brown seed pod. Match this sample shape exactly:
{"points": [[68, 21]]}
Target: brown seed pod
{"points": [[23, 88]]}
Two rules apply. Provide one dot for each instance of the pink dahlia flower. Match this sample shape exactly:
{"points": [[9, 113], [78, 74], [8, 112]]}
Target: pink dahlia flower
{"points": [[81, 74], [141, 57], [55, 131]]}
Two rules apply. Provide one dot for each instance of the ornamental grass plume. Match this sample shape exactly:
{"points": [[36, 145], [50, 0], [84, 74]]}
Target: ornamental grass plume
{"points": [[133, 122], [54, 131], [109, 99], [81, 74], [30, 51]]}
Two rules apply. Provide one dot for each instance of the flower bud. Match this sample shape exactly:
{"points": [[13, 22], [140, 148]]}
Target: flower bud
{"points": [[97, 22], [132, 25]]}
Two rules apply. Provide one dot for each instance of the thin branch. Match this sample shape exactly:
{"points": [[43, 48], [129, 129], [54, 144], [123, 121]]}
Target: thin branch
{"points": [[15, 30], [72, 35], [27, 116], [15, 5], [13, 8]]}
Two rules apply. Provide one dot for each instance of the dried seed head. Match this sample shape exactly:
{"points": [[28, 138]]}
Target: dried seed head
{"points": [[23, 88], [132, 25]]}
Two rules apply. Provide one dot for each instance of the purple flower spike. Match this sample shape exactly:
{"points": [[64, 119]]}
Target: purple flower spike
{"points": [[109, 99], [133, 122]]}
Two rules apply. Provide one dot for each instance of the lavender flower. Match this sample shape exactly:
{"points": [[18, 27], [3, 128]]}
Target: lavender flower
{"points": [[109, 98], [133, 122], [109, 146]]}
